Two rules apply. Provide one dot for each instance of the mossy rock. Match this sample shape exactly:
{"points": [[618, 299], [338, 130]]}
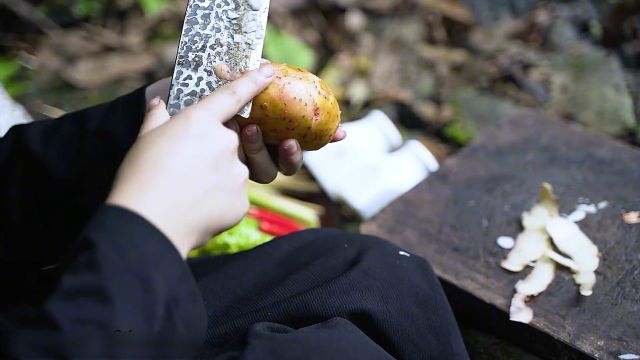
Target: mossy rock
{"points": [[589, 85]]}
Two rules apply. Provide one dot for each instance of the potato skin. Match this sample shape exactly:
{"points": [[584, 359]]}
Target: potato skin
{"points": [[296, 105]]}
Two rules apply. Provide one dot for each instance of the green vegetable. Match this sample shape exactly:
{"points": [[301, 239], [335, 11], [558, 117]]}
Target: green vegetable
{"points": [[242, 237], [247, 234], [292, 209]]}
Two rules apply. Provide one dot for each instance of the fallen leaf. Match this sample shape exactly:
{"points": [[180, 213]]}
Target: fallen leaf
{"points": [[631, 217], [452, 9]]}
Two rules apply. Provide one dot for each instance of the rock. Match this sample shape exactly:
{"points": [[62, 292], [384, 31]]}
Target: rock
{"points": [[633, 82], [588, 84], [477, 111], [488, 11]]}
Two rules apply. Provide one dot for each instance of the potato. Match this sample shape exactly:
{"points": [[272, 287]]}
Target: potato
{"points": [[296, 105]]}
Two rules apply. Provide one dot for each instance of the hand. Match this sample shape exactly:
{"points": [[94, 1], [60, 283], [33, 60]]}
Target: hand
{"points": [[263, 161], [184, 175]]}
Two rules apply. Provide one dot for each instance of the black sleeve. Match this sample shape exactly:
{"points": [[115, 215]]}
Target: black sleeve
{"points": [[53, 175], [127, 288]]}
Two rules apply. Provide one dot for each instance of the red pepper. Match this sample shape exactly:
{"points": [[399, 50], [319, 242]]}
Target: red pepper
{"points": [[276, 229], [272, 218]]}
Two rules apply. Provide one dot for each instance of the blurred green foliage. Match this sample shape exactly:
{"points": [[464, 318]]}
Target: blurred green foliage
{"points": [[152, 7], [244, 236], [281, 47], [86, 8], [8, 68], [458, 133], [10, 77]]}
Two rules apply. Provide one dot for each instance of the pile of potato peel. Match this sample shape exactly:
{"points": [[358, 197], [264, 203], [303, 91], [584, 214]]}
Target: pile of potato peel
{"points": [[548, 239]]}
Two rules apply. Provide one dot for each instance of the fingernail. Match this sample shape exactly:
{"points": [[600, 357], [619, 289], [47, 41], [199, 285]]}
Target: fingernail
{"points": [[267, 71], [291, 147], [154, 102], [252, 133]]}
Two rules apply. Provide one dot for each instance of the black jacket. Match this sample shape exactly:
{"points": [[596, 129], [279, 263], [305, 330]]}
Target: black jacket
{"points": [[70, 267]]}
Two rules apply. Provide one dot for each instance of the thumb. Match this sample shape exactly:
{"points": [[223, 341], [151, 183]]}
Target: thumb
{"points": [[156, 116], [226, 101]]}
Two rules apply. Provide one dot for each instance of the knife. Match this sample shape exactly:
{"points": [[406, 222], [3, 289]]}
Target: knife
{"points": [[229, 32]]}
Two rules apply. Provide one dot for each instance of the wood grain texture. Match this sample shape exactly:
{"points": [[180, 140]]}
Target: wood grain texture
{"points": [[455, 216]]}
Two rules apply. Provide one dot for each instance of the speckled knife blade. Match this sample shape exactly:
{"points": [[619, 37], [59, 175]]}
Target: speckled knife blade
{"points": [[227, 32]]}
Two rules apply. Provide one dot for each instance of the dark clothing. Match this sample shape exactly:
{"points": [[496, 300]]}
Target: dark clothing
{"points": [[83, 279], [311, 276]]}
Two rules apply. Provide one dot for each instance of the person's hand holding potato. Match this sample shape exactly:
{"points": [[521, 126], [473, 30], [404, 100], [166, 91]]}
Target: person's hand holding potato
{"points": [[263, 155], [186, 175]]}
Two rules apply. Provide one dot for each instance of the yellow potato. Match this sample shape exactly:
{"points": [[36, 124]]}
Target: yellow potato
{"points": [[296, 105]]}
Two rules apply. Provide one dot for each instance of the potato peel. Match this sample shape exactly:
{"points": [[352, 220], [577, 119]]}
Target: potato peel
{"points": [[570, 240], [533, 242], [519, 311], [535, 283], [539, 279], [530, 246], [564, 261], [545, 209], [543, 228]]}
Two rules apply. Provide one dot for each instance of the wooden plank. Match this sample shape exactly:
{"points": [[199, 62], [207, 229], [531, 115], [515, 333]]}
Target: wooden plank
{"points": [[455, 216]]}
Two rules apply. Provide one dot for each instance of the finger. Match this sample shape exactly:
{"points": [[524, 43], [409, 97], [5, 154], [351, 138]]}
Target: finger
{"points": [[233, 125], [156, 115], [289, 157], [230, 98], [224, 72], [264, 61], [339, 135], [263, 170]]}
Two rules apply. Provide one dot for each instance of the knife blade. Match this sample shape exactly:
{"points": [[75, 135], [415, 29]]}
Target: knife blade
{"points": [[229, 32]]}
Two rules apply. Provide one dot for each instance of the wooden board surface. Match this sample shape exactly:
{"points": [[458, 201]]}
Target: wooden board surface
{"points": [[455, 216]]}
